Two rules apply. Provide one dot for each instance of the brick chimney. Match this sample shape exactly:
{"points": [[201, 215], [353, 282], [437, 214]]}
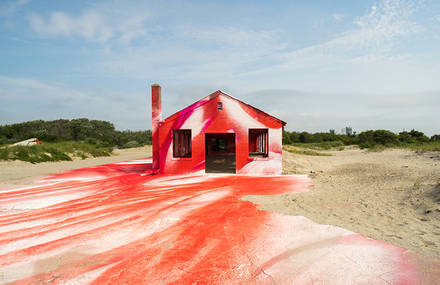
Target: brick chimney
{"points": [[156, 108]]}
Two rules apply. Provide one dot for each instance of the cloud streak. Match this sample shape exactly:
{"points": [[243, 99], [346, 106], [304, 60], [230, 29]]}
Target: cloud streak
{"points": [[377, 32], [90, 25]]}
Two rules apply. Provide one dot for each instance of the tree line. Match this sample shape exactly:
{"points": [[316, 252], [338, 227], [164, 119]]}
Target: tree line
{"points": [[364, 139], [103, 133], [91, 131]]}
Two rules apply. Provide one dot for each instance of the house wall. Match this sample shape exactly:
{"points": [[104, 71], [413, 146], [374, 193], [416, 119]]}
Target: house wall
{"points": [[235, 118]]}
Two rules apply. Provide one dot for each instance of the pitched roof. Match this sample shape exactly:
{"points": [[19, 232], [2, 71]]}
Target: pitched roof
{"points": [[208, 98]]}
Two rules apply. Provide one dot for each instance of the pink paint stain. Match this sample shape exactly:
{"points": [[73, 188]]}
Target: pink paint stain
{"points": [[110, 225]]}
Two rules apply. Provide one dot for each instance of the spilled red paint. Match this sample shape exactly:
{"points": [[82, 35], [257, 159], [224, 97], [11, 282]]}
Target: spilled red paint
{"points": [[111, 225]]}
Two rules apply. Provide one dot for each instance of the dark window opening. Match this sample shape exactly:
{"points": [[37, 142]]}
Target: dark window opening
{"points": [[182, 143], [258, 142], [219, 106]]}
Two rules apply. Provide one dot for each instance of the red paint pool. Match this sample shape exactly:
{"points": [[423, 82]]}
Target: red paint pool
{"points": [[111, 225]]}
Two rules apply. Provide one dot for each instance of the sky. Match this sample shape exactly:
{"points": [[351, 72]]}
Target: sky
{"points": [[317, 65]]}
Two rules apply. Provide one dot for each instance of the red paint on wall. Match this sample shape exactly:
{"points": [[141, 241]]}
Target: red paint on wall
{"points": [[234, 116]]}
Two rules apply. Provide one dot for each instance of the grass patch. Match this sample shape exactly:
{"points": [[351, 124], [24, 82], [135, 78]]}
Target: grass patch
{"points": [[428, 146], [377, 147], [61, 151], [338, 145], [300, 151], [416, 146]]}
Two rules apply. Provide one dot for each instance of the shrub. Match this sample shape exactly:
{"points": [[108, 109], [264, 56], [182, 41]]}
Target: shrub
{"points": [[131, 144], [61, 151], [383, 137], [91, 131], [435, 138]]}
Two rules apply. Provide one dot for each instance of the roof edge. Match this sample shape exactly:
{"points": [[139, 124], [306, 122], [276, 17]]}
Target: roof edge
{"points": [[212, 96]]}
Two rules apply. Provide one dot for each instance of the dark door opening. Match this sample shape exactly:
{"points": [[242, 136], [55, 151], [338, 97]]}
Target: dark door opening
{"points": [[219, 153]]}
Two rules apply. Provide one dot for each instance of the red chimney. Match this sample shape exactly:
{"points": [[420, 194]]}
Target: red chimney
{"points": [[156, 108]]}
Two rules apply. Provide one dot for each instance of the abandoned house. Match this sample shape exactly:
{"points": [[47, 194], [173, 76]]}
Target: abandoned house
{"points": [[217, 134]]}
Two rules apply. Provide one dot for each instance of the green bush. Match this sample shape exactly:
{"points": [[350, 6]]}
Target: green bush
{"points": [[373, 139], [95, 132], [435, 138], [383, 137], [412, 137], [131, 144]]}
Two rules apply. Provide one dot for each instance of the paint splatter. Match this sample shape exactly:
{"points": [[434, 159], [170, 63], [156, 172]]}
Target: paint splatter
{"points": [[205, 120], [111, 225]]}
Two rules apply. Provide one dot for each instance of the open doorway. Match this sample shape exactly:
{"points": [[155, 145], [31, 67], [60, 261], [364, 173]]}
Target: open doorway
{"points": [[220, 153]]}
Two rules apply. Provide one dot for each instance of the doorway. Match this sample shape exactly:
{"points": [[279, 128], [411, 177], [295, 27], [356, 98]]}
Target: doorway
{"points": [[220, 153]]}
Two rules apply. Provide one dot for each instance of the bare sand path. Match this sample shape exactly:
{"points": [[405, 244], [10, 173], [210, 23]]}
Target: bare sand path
{"points": [[393, 196], [13, 173]]}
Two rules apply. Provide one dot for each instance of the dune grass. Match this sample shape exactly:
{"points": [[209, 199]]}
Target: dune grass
{"points": [[428, 146], [297, 150], [418, 146], [329, 145], [59, 151]]}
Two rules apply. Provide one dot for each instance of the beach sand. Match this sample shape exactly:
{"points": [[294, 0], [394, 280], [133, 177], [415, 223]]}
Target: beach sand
{"points": [[393, 196], [13, 173]]}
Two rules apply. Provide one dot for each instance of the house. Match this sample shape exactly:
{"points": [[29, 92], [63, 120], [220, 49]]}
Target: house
{"points": [[217, 134]]}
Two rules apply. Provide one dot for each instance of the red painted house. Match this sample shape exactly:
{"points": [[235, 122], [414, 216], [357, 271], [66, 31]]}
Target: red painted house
{"points": [[217, 134]]}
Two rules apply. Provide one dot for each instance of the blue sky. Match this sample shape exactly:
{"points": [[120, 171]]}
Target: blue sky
{"points": [[318, 65]]}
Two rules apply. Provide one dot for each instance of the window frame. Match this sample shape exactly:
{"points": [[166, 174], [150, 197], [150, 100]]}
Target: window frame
{"points": [[179, 134], [262, 144]]}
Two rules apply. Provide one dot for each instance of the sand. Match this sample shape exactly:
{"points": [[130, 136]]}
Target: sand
{"points": [[13, 173], [393, 196]]}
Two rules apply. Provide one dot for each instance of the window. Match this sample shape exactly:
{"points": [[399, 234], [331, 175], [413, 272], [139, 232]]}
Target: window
{"points": [[219, 106], [182, 143], [258, 142]]}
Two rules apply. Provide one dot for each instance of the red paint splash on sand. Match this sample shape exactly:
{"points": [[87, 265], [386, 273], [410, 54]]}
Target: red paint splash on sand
{"points": [[111, 225]]}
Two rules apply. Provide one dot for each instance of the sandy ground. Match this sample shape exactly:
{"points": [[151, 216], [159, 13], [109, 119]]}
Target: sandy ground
{"points": [[13, 173], [393, 196]]}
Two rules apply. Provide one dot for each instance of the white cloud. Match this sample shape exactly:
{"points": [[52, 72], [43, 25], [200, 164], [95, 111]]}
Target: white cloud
{"points": [[229, 36], [195, 52], [91, 25], [377, 31], [370, 57]]}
